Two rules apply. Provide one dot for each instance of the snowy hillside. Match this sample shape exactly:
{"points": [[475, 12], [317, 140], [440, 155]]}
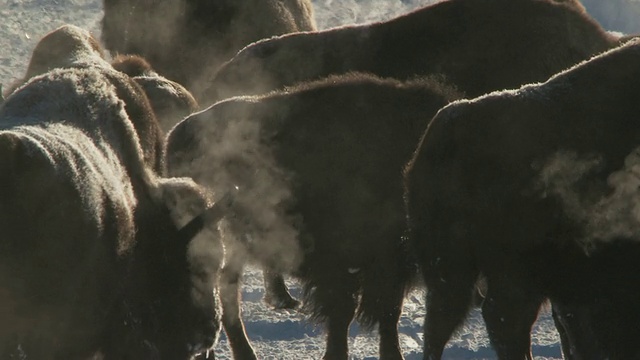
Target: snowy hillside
{"points": [[25, 21]]}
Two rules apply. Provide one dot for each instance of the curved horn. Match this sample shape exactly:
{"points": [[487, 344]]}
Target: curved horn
{"points": [[213, 214]]}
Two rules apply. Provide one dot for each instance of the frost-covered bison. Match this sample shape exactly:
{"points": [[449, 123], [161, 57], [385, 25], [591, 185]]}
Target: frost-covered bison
{"points": [[535, 189], [170, 101], [469, 42], [186, 40], [319, 175], [93, 258]]}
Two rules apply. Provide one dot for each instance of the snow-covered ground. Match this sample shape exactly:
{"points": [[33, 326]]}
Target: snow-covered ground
{"points": [[286, 335], [275, 334]]}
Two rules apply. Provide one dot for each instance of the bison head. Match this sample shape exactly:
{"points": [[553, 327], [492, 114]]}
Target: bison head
{"points": [[178, 311], [170, 101], [66, 46]]}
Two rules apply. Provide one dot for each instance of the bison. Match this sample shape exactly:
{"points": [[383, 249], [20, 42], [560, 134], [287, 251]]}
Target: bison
{"points": [[187, 40], [93, 257], [169, 100], [318, 172], [533, 189], [469, 42]]}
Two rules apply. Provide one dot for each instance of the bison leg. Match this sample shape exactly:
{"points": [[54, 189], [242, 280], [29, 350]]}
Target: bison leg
{"points": [[340, 315], [336, 301], [231, 315], [565, 343], [577, 338], [276, 293], [447, 302], [381, 302], [388, 329], [509, 312]]}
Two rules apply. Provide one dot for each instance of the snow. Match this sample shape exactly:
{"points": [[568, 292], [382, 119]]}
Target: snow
{"points": [[275, 334], [285, 335]]}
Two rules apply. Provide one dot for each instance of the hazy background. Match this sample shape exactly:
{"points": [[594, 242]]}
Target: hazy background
{"points": [[23, 22]]}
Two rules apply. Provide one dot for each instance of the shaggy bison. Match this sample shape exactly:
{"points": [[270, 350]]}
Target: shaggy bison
{"points": [[318, 168], [187, 40], [535, 190], [169, 100], [93, 259], [469, 42]]}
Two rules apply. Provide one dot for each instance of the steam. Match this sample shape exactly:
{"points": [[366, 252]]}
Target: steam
{"points": [[233, 156], [618, 215], [560, 175], [608, 211]]}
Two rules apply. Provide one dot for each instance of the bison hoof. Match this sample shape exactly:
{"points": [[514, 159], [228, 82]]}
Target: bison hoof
{"points": [[281, 302]]}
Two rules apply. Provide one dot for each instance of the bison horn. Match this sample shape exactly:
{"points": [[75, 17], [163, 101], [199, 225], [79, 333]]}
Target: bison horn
{"points": [[213, 214]]}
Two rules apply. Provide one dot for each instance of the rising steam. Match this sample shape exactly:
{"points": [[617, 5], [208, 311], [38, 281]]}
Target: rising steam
{"points": [[234, 157], [608, 214]]}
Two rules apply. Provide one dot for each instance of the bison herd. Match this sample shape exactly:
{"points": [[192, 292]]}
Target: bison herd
{"points": [[466, 145]]}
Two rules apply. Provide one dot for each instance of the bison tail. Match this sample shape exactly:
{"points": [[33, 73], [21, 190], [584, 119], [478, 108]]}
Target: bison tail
{"points": [[385, 285]]}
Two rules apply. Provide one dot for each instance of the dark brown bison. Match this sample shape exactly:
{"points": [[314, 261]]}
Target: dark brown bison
{"points": [[171, 102], [93, 259], [534, 189], [318, 171], [187, 40], [469, 42]]}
